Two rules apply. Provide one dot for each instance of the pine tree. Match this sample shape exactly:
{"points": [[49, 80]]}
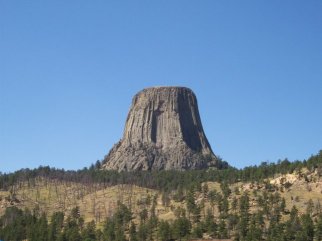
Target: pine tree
{"points": [[119, 234], [132, 232], [293, 225], [244, 215], [255, 229], [209, 224], [307, 228], [42, 228], [222, 230], [225, 189], [142, 232], [56, 225], [109, 230], [89, 233], [190, 202], [164, 232], [318, 229], [310, 207], [212, 196], [122, 216], [143, 215], [283, 205], [197, 231], [205, 190], [275, 232], [234, 204], [181, 228]]}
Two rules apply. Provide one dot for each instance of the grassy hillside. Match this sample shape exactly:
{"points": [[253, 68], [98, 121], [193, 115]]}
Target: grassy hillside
{"points": [[97, 202], [270, 202]]}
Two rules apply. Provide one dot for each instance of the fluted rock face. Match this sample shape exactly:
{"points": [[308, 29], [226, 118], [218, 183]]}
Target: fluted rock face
{"points": [[163, 131]]}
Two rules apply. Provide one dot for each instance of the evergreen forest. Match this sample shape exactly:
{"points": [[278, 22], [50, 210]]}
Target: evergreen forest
{"points": [[258, 212]]}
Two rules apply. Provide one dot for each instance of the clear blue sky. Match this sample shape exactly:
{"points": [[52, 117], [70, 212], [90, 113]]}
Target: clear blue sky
{"points": [[69, 69]]}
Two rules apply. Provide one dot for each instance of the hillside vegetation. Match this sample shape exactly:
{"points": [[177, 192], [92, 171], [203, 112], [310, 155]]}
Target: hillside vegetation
{"points": [[273, 201]]}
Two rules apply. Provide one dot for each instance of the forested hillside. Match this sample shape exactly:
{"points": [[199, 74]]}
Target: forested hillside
{"points": [[272, 201]]}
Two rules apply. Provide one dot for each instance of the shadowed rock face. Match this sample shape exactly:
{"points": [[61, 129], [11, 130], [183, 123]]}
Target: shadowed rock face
{"points": [[163, 131]]}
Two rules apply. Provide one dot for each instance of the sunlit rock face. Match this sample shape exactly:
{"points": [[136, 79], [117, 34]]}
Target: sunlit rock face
{"points": [[163, 131]]}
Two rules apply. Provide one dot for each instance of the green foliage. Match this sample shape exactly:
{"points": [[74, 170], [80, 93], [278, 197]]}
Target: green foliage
{"points": [[143, 232], [165, 181], [109, 230], [13, 224], [181, 228], [306, 231], [132, 232], [210, 226], [318, 229], [222, 229], [143, 215], [164, 231], [115, 227], [89, 233], [236, 219], [245, 225], [197, 231], [55, 226], [122, 216], [192, 207], [255, 229]]}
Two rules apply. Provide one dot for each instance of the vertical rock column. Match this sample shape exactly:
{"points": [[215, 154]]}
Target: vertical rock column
{"points": [[163, 130]]}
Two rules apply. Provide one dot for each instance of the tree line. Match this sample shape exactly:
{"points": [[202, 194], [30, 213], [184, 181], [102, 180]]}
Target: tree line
{"points": [[163, 180]]}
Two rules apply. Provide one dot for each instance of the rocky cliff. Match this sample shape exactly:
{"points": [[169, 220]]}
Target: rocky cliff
{"points": [[163, 131]]}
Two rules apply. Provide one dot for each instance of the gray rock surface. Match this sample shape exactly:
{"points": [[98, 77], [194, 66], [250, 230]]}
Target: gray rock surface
{"points": [[163, 131]]}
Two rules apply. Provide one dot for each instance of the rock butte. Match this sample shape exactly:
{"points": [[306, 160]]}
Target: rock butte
{"points": [[163, 131]]}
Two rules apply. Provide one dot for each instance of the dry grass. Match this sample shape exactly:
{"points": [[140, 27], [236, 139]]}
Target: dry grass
{"points": [[97, 202]]}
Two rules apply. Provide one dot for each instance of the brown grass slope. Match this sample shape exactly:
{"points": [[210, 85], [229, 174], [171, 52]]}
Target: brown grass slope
{"points": [[98, 202]]}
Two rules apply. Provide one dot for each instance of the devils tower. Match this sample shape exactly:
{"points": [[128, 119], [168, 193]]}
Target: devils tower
{"points": [[163, 131]]}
